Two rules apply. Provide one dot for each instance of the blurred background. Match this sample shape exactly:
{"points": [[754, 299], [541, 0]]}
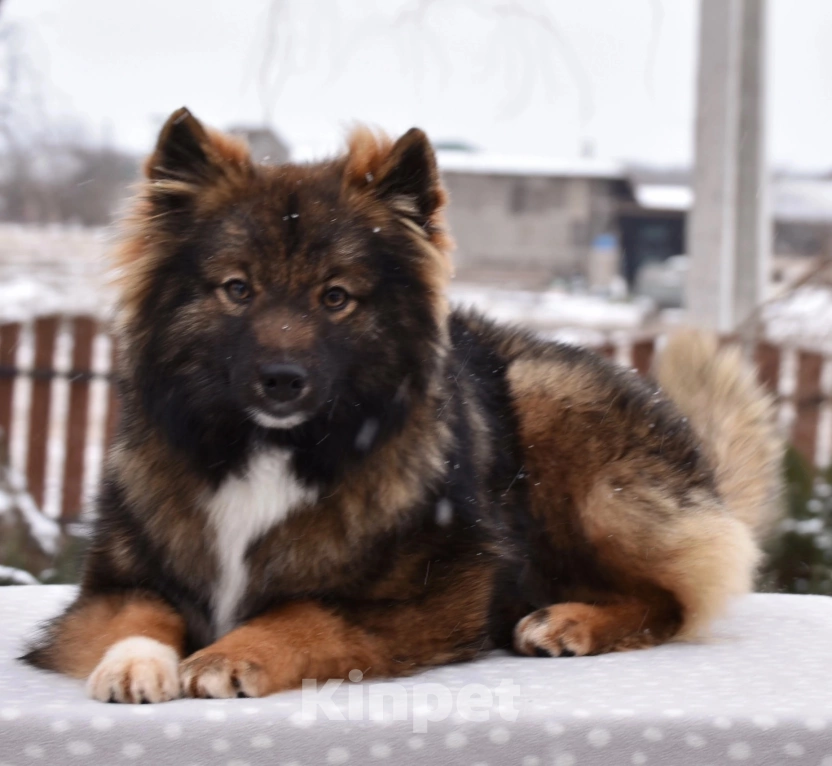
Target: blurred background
{"points": [[615, 170]]}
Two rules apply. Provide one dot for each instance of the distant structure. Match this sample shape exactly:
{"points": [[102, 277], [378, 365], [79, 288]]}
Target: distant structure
{"points": [[527, 221], [801, 209], [266, 146], [531, 221]]}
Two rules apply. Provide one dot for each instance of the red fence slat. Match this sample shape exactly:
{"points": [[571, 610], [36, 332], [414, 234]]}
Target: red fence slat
{"points": [[9, 337], [643, 351], [83, 332], [808, 400], [767, 358], [46, 331]]}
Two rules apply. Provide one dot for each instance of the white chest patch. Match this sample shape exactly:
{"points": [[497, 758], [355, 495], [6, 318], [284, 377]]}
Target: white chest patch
{"points": [[241, 510]]}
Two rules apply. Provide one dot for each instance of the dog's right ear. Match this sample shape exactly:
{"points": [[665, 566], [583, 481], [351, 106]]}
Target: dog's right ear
{"points": [[188, 156], [181, 152]]}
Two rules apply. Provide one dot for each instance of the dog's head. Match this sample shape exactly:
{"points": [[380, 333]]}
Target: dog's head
{"points": [[282, 294]]}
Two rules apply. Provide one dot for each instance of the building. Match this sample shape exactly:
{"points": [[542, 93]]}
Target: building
{"points": [[531, 221], [801, 208]]}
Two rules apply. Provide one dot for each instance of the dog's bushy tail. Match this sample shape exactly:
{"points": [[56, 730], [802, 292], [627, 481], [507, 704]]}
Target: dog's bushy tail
{"points": [[718, 392]]}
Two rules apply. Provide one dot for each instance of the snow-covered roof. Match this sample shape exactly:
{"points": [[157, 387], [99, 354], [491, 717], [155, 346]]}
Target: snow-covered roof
{"points": [[488, 163], [803, 200], [799, 200], [664, 196]]}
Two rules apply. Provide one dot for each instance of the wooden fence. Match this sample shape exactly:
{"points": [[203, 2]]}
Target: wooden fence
{"points": [[58, 408]]}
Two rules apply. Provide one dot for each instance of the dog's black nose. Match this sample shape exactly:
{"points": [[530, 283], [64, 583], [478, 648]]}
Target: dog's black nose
{"points": [[282, 382]]}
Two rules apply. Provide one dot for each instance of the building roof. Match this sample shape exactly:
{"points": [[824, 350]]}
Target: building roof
{"points": [[664, 196], [808, 200], [487, 163], [798, 200]]}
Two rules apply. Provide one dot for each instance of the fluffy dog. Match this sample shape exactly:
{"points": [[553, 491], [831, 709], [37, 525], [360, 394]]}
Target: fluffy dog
{"points": [[320, 467]]}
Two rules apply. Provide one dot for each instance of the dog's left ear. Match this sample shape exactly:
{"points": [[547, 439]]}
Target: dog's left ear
{"points": [[409, 174], [402, 174]]}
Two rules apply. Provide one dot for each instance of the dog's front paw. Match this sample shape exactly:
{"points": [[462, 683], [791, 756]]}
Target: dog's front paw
{"points": [[217, 675], [136, 669]]}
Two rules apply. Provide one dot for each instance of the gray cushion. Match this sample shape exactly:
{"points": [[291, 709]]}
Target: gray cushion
{"points": [[759, 691]]}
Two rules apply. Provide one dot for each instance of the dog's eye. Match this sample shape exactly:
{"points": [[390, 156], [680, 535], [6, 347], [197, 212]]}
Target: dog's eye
{"points": [[238, 290], [335, 298]]}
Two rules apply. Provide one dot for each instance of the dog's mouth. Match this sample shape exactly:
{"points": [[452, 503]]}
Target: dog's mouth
{"points": [[281, 396], [270, 420], [270, 412]]}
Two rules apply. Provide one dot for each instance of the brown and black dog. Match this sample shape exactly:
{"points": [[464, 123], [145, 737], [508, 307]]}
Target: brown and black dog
{"points": [[321, 467]]}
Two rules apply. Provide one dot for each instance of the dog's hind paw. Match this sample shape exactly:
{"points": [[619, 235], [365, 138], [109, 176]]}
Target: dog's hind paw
{"points": [[564, 630], [215, 675], [575, 630], [136, 670]]}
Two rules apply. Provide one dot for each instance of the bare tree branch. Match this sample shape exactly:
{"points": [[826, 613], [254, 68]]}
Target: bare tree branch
{"points": [[526, 46]]}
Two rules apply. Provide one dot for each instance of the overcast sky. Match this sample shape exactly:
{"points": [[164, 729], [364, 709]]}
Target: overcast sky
{"points": [[623, 80]]}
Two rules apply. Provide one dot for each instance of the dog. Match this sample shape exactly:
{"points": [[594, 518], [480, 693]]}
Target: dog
{"points": [[321, 467]]}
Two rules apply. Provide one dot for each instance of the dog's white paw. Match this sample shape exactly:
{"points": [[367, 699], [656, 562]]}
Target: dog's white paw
{"points": [[136, 669]]}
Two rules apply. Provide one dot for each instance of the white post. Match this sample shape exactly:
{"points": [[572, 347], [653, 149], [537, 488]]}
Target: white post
{"points": [[754, 227], [728, 229]]}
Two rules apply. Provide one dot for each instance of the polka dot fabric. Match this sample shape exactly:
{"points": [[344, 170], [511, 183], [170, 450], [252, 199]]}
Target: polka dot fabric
{"points": [[758, 692]]}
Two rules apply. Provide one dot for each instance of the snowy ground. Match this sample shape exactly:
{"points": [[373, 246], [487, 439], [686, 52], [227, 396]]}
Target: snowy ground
{"points": [[568, 317], [804, 317], [55, 270], [65, 270]]}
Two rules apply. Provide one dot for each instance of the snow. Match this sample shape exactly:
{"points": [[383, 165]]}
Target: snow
{"points": [[25, 297], [803, 318], [807, 200], [664, 196], [13, 495], [64, 270], [17, 576], [487, 163], [553, 310], [793, 200], [48, 270]]}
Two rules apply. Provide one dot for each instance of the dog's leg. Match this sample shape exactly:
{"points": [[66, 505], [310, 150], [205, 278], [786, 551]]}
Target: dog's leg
{"points": [[279, 649], [670, 569], [127, 647]]}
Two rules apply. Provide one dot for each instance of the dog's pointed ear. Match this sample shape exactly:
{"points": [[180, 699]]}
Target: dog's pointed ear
{"points": [[190, 153], [410, 174], [181, 150], [402, 174]]}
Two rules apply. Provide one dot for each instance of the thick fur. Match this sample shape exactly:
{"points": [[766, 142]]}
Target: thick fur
{"points": [[735, 418], [432, 486]]}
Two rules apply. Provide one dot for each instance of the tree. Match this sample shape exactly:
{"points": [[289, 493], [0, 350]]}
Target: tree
{"points": [[525, 45]]}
